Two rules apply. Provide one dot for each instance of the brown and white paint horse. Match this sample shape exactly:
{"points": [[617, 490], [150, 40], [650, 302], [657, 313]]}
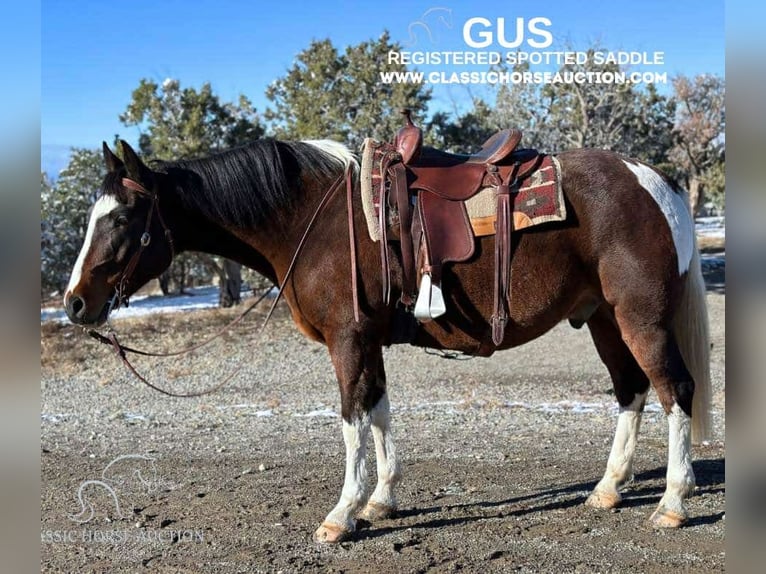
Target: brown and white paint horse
{"points": [[624, 262]]}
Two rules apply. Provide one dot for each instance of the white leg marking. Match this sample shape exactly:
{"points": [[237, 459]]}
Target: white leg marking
{"points": [[355, 435], [619, 467], [674, 208], [680, 477], [103, 206], [389, 472]]}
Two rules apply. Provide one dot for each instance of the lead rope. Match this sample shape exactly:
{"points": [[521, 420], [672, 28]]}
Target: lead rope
{"points": [[108, 339], [121, 350]]}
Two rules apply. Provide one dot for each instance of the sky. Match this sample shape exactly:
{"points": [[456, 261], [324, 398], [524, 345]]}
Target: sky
{"points": [[94, 53]]}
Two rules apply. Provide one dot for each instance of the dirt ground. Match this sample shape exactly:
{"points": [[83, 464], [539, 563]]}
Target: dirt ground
{"points": [[498, 456]]}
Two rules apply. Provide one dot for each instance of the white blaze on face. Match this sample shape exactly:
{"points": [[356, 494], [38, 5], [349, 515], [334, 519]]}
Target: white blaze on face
{"points": [[673, 206], [102, 207]]}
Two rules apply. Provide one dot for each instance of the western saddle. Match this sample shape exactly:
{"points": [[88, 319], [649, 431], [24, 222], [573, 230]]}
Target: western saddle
{"points": [[422, 191]]}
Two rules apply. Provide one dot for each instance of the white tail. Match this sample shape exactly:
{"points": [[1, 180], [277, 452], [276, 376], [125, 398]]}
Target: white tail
{"points": [[692, 333]]}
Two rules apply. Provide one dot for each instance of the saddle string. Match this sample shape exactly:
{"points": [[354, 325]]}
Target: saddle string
{"points": [[122, 350], [352, 242]]}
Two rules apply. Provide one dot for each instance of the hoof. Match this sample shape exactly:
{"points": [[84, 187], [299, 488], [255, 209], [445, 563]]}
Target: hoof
{"points": [[664, 518], [377, 511], [605, 500], [331, 534]]}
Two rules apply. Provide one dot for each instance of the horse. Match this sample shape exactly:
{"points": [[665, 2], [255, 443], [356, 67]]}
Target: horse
{"points": [[624, 263]]}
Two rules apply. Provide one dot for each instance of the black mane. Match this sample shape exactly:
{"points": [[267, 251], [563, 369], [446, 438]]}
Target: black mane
{"points": [[251, 184], [248, 185]]}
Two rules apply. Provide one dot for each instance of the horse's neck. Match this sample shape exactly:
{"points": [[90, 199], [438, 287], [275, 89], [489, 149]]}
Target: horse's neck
{"points": [[266, 250], [192, 231]]}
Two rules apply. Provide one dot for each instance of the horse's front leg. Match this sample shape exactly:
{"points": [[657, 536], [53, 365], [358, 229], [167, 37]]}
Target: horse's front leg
{"points": [[358, 365], [382, 503]]}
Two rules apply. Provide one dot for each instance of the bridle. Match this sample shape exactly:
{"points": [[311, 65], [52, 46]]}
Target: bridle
{"points": [[120, 293], [119, 297]]}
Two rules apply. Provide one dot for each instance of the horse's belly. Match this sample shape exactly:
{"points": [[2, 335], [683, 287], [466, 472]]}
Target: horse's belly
{"points": [[547, 286], [476, 339]]}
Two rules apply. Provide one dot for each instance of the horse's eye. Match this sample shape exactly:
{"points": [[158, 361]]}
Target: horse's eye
{"points": [[121, 220]]}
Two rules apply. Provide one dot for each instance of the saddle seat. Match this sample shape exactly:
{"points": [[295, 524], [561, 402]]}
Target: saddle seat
{"points": [[409, 143], [457, 177], [497, 150]]}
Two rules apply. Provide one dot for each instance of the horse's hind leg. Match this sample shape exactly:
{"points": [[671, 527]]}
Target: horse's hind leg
{"points": [[655, 348], [359, 367], [630, 387]]}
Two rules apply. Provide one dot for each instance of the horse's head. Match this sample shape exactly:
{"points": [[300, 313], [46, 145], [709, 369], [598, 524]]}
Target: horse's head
{"points": [[127, 242]]}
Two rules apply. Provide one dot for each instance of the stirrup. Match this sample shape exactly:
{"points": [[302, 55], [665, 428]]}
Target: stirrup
{"points": [[430, 303]]}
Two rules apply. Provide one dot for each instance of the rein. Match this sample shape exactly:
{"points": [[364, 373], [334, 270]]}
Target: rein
{"points": [[119, 297]]}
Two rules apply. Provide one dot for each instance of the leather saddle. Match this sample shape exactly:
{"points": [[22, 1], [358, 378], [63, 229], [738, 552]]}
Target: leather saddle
{"points": [[426, 190]]}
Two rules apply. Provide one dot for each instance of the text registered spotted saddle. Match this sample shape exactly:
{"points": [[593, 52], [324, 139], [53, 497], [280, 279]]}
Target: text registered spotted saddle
{"points": [[436, 203]]}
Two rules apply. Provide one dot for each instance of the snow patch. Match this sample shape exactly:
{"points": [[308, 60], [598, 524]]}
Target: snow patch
{"points": [[256, 413], [710, 226], [54, 417], [323, 412]]}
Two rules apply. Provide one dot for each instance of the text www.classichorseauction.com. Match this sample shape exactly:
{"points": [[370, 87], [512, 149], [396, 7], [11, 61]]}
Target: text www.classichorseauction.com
{"points": [[493, 77]]}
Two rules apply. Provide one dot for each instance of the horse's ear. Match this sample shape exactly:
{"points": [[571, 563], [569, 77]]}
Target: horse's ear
{"points": [[113, 163], [136, 169]]}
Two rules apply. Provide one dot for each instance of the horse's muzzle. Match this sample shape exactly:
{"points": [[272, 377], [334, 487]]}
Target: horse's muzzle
{"points": [[79, 313]]}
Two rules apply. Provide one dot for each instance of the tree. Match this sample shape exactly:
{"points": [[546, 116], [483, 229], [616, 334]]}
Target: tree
{"points": [[529, 108], [64, 207], [651, 128], [327, 94], [464, 134], [48, 245], [617, 116], [188, 123], [699, 149]]}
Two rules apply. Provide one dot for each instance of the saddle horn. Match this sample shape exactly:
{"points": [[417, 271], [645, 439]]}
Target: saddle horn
{"points": [[409, 139]]}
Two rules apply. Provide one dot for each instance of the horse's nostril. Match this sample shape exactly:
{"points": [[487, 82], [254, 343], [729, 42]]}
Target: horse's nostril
{"points": [[77, 306]]}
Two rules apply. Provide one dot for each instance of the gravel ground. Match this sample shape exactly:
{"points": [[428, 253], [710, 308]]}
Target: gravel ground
{"points": [[498, 455]]}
